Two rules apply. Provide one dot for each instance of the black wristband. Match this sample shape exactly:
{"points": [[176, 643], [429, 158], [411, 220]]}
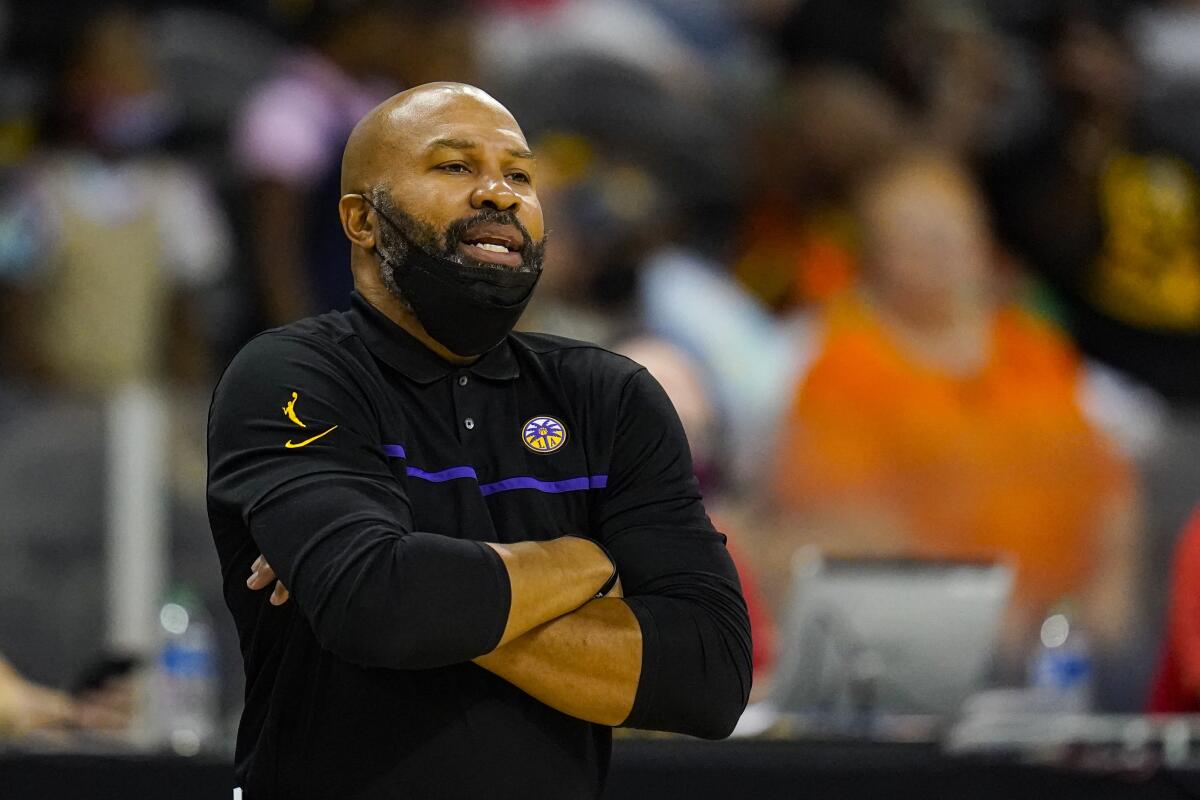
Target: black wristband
{"points": [[608, 584], [612, 579]]}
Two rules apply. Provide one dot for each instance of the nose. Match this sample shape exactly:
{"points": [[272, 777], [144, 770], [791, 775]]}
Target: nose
{"points": [[496, 194]]}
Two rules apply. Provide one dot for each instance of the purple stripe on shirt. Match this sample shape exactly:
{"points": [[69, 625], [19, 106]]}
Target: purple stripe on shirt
{"points": [[453, 473], [507, 485], [552, 487]]}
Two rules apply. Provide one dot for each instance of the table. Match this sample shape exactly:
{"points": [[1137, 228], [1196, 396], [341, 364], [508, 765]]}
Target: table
{"points": [[771, 770], [652, 769]]}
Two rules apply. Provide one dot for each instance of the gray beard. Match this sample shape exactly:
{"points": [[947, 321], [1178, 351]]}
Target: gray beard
{"points": [[387, 274], [393, 247]]}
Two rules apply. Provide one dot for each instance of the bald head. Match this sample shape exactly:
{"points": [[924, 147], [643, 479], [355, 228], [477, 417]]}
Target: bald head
{"points": [[405, 124]]}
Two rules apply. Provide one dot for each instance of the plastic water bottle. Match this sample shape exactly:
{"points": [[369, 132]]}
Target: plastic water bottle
{"points": [[1060, 670], [186, 678]]}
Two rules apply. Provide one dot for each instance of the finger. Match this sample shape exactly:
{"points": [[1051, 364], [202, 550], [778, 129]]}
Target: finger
{"points": [[116, 694], [100, 716], [256, 568], [261, 578], [280, 595], [46, 708]]}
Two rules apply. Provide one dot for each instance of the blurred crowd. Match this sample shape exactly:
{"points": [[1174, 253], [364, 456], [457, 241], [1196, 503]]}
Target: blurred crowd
{"points": [[922, 277]]}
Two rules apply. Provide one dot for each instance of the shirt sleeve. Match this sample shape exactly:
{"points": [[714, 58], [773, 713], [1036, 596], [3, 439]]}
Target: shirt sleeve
{"points": [[677, 575], [295, 453]]}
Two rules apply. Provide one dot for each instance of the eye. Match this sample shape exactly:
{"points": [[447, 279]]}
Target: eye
{"points": [[519, 177], [456, 167]]}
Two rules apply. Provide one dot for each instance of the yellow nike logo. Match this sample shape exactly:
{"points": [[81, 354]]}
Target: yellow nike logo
{"points": [[289, 410], [292, 445]]}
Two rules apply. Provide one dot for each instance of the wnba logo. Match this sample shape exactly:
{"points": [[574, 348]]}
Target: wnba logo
{"points": [[543, 434]]}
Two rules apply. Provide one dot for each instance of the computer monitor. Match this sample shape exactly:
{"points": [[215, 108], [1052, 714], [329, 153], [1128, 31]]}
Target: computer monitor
{"points": [[871, 637]]}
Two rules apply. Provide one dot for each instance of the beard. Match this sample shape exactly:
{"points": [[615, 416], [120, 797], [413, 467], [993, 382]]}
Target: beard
{"points": [[405, 231]]}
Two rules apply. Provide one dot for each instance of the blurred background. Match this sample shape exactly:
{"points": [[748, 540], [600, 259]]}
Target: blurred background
{"points": [[922, 278]]}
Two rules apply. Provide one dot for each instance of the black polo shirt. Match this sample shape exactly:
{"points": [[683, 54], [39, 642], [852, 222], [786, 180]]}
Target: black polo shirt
{"points": [[369, 472]]}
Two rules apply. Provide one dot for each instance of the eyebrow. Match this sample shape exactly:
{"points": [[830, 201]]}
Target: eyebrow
{"points": [[467, 144]]}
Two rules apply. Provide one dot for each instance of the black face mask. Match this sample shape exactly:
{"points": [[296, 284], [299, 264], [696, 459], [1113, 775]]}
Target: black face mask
{"points": [[468, 309]]}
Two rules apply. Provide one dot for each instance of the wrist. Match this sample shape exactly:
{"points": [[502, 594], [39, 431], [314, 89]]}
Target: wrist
{"points": [[610, 584], [608, 562]]}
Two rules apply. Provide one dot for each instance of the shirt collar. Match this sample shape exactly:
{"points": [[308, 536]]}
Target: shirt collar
{"points": [[399, 349]]}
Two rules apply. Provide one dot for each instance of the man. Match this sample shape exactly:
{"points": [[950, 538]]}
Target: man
{"points": [[446, 501]]}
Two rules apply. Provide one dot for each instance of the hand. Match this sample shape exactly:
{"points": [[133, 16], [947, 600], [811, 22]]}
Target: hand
{"points": [[25, 706], [110, 707], [261, 576]]}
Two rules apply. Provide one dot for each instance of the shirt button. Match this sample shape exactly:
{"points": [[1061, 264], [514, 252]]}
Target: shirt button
{"points": [[469, 423], [462, 381]]}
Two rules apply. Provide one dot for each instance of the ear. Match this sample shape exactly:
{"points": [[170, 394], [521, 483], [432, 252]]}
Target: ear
{"points": [[357, 221]]}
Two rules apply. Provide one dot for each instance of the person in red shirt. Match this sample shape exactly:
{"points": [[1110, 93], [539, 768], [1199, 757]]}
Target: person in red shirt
{"points": [[1176, 685]]}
